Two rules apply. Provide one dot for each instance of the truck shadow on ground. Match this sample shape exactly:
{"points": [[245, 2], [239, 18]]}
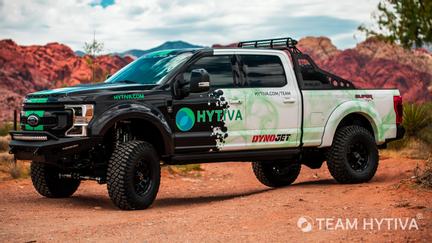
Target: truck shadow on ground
{"points": [[323, 182], [102, 202], [181, 201]]}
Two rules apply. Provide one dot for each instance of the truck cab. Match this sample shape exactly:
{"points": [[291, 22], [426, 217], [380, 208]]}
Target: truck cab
{"points": [[264, 102]]}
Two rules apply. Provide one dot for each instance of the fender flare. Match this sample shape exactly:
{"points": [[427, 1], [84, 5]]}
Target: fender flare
{"points": [[351, 107], [108, 118]]}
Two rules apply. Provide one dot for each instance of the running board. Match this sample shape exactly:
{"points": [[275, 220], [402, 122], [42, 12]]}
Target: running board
{"points": [[240, 156]]}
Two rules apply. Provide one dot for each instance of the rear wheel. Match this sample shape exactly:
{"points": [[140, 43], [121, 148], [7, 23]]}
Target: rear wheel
{"points": [[353, 156], [276, 174], [47, 182], [133, 176]]}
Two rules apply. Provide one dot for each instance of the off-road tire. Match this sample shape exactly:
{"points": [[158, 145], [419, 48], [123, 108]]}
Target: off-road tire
{"points": [[47, 182], [269, 174], [338, 158], [122, 175]]}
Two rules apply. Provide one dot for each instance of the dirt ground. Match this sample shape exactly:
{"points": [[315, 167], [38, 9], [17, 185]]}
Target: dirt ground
{"points": [[226, 203]]}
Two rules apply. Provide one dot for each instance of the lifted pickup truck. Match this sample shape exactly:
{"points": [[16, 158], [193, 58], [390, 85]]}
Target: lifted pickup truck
{"points": [[264, 102]]}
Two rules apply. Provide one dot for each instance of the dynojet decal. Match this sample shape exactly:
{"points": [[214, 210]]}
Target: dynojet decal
{"points": [[270, 138]]}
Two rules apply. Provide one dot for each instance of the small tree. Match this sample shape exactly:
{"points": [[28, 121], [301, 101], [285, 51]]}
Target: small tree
{"points": [[93, 49], [406, 22]]}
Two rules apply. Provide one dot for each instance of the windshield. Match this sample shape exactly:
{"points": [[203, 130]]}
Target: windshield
{"points": [[151, 68]]}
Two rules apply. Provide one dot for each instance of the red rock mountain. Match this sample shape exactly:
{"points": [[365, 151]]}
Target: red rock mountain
{"points": [[376, 64], [371, 64], [25, 69]]}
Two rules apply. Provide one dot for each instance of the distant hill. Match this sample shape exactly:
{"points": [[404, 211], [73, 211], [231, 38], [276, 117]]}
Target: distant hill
{"points": [[135, 53], [79, 53], [164, 46]]}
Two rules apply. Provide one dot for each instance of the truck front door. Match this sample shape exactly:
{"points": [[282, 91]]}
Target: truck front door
{"points": [[213, 120]]}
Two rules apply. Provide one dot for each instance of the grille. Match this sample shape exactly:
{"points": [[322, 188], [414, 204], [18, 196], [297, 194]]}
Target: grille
{"points": [[53, 119]]}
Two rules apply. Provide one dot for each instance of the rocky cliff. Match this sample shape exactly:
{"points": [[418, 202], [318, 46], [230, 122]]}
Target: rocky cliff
{"points": [[376, 64], [25, 69]]}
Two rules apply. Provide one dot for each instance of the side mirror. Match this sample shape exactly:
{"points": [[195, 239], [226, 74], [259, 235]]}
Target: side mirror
{"points": [[199, 81]]}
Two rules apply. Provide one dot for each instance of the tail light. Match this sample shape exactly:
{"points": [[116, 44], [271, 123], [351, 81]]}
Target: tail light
{"points": [[398, 108]]}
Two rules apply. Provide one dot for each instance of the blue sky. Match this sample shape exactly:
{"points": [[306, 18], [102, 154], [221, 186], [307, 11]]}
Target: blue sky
{"points": [[136, 24]]}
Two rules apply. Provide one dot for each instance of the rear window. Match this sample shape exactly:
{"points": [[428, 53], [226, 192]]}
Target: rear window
{"points": [[263, 71]]}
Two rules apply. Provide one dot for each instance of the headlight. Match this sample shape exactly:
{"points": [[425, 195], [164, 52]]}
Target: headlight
{"points": [[82, 115]]}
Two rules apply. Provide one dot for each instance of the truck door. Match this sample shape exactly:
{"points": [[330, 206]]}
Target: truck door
{"points": [[213, 120], [272, 102]]}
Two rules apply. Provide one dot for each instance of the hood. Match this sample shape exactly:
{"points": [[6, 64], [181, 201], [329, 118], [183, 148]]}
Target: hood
{"points": [[84, 91]]}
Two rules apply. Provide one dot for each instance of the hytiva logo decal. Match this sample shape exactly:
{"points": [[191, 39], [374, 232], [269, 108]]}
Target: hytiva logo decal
{"points": [[270, 138], [218, 115], [128, 97], [186, 118]]}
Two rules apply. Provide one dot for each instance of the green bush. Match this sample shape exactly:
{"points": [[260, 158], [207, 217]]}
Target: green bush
{"points": [[416, 117], [417, 121]]}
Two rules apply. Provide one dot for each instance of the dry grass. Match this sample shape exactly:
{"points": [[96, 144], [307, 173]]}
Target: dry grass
{"points": [[11, 170], [192, 169], [412, 149], [8, 168], [423, 177], [4, 143]]}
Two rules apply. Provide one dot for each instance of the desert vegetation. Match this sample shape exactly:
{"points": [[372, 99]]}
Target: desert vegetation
{"points": [[9, 168], [417, 122]]}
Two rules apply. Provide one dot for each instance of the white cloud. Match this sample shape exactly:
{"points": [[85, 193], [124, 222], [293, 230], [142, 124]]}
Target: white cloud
{"points": [[144, 24]]}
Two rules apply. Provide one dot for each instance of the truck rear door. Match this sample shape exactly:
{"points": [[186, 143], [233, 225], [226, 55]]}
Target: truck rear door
{"points": [[273, 101]]}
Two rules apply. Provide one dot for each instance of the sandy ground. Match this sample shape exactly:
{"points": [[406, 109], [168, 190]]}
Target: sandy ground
{"points": [[227, 203]]}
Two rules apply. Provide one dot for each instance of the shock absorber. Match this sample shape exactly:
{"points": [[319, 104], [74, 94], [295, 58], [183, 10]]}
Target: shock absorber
{"points": [[122, 133]]}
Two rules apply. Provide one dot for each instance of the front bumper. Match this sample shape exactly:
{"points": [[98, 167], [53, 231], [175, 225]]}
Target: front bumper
{"points": [[46, 147]]}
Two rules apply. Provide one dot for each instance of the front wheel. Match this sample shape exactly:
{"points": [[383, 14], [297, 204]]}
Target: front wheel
{"points": [[46, 180], [276, 174], [133, 175], [353, 156]]}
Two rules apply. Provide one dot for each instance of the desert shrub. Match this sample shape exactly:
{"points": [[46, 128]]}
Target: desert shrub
{"points": [[416, 117], [11, 169], [5, 128], [4, 144], [19, 170], [423, 177], [417, 122]]}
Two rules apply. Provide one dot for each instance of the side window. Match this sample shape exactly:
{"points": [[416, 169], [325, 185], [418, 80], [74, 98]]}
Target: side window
{"points": [[219, 69], [262, 71]]}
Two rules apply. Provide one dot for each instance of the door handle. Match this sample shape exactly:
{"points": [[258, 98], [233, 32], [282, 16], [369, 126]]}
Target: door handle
{"points": [[289, 100], [235, 101]]}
